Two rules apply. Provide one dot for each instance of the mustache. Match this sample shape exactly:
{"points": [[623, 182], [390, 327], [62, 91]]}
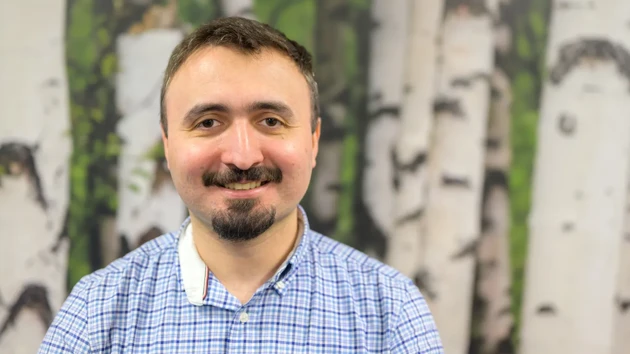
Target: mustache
{"points": [[235, 175]]}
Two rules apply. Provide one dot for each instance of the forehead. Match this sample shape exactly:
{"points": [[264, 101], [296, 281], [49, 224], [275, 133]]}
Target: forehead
{"points": [[230, 77]]}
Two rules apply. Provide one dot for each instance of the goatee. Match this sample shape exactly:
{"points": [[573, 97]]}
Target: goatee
{"points": [[242, 221]]}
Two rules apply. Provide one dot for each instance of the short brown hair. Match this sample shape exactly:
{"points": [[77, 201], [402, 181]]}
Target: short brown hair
{"points": [[247, 36]]}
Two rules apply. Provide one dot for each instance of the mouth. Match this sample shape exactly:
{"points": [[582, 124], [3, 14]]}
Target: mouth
{"points": [[244, 186]]}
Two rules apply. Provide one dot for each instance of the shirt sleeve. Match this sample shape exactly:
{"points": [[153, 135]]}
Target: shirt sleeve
{"points": [[68, 332], [415, 330]]}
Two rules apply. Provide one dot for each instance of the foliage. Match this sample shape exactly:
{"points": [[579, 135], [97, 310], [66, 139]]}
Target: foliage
{"points": [[91, 65], [193, 13], [296, 18], [527, 74]]}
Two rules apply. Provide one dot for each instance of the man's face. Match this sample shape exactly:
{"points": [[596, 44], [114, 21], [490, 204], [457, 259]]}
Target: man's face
{"points": [[240, 146]]}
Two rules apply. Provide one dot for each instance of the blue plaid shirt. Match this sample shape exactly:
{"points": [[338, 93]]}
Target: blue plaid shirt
{"points": [[161, 298]]}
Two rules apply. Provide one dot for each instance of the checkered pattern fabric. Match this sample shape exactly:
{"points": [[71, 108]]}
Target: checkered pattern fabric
{"points": [[328, 298]]}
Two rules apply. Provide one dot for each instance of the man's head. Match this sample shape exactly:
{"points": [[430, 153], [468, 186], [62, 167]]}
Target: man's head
{"points": [[240, 125]]}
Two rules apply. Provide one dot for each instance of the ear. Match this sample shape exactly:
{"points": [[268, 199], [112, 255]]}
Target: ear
{"points": [[315, 138], [165, 144]]}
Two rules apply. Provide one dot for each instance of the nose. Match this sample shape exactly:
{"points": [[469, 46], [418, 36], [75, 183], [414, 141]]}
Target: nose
{"points": [[241, 146]]}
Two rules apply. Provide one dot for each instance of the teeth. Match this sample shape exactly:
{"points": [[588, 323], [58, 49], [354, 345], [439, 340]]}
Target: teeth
{"points": [[244, 186]]}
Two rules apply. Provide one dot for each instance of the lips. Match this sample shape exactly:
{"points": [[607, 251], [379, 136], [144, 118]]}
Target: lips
{"points": [[244, 186]]}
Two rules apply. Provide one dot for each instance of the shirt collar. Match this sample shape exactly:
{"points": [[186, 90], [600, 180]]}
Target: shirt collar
{"points": [[195, 273]]}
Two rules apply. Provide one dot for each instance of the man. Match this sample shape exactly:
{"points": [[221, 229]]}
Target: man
{"points": [[245, 273]]}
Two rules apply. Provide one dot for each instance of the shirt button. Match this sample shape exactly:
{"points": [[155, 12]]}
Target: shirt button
{"points": [[244, 317], [280, 285]]}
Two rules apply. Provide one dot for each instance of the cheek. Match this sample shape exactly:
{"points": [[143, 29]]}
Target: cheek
{"points": [[295, 160], [191, 160]]}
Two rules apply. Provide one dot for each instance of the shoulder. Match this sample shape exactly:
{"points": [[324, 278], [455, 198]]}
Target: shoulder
{"points": [[379, 289], [150, 259], [95, 293], [148, 266], [359, 266]]}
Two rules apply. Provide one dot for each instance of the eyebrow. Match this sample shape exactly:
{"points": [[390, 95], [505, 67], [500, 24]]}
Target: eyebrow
{"points": [[273, 106], [202, 108]]}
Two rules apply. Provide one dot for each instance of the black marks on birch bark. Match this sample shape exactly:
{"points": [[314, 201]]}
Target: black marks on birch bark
{"points": [[34, 297], [422, 279], [623, 305], [467, 81], [546, 310], [386, 110], [567, 124], [568, 226], [63, 234], [589, 51], [455, 181], [125, 247], [410, 167], [448, 105], [413, 165], [495, 178], [18, 159], [467, 250], [149, 234], [493, 143], [414, 215]]}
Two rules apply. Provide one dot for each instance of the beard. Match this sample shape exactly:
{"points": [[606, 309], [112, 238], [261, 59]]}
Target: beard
{"points": [[242, 221]]}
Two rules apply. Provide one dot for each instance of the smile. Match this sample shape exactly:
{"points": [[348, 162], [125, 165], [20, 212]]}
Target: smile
{"points": [[244, 186]]}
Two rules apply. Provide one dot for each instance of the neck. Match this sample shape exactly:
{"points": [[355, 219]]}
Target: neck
{"points": [[242, 267]]}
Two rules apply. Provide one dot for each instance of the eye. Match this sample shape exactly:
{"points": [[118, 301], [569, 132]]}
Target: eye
{"points": [[271, 122], [207, 123]]}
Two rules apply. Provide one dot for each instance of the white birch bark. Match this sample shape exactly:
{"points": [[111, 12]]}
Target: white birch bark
{"points": [[456, 168], [493, 287], [35, 149], [148, 199], [416, 122], [580, 180], [621, 343], [385, 92], [240, 8]]}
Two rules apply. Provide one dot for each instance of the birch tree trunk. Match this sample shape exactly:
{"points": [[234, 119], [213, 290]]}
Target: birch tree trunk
{"points": [[405, 246], [385, 93], [493, 268], [240, 8], [34, 170], [580, 181], [333, 90], [492, 315], [456, 167], [621, 339], [149, 204]]}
